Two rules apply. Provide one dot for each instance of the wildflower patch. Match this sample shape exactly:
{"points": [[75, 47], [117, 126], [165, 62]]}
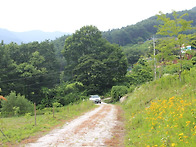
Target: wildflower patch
{"points": [[166, 123]]}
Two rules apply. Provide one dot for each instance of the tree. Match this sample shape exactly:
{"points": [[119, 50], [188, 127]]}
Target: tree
{"points": [[26, 68], [91, 73], [7, 67], [175, 28], [92, 60], [33, 67], [16, 103], [134, 52], [140, 73]]}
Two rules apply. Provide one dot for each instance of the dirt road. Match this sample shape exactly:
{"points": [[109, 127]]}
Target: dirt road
{"points": [[101, 127]]}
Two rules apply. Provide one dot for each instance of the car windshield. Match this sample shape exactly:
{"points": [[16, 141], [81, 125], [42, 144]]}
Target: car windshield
{"points": [[94, 96]]}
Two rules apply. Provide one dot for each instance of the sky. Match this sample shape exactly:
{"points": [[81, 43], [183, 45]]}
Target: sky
{"points": [[70, 15]]}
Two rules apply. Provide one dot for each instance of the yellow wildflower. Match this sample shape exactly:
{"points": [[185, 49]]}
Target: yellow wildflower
{"points": [[187, 123], [181, 134], [181, 115]]}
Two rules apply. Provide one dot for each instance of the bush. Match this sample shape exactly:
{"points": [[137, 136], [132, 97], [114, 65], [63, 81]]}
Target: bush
{"points": [[140, 73], [193, 60], [174, 68], [71, 98], [16, 105], [117, 92], [171, 69], [64, 94]]}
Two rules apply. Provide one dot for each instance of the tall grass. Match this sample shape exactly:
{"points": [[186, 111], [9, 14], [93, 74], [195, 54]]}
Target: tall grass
{"points": [[163, 112], [19, 128]]}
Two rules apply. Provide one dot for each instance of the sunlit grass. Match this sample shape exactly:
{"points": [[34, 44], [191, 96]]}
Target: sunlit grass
{"points": [[163, 112]]}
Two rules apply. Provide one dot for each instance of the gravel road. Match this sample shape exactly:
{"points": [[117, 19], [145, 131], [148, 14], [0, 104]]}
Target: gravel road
{"points": [[99, 127]]}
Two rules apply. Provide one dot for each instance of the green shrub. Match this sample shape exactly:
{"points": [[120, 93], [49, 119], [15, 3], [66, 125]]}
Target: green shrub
{"points": [[193, 60], [73, 87], [171, 69], [174, 68], [64, 94], [117, 92], [140, 73], [70, 98], [16, 105], [187, 65]]}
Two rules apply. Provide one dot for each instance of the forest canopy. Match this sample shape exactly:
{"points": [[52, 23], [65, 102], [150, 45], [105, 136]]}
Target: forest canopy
{"points": [[92, 60]]}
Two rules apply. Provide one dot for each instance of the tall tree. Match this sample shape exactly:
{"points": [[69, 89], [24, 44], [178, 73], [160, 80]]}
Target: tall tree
{"points": [[7, 67], [175, 28], [26, 68], [92, 60]]}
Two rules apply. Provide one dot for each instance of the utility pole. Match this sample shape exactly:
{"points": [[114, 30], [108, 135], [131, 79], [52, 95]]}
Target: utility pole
{"points": [[155, 73]]}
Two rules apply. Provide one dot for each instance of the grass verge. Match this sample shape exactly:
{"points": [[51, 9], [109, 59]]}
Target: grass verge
{"points": [[162, 112], [22, 129]]}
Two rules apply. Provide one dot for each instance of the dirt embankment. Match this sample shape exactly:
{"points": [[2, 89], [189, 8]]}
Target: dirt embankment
{"points": [[101, 127]]}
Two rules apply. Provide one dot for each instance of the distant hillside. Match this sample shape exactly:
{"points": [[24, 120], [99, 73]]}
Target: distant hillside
{"points": [[193, 9], [131, 34], [8, 36], [141, 31], [25, 37]]}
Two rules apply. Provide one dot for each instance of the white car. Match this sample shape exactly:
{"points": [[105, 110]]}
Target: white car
{"points": [[95, 98]]}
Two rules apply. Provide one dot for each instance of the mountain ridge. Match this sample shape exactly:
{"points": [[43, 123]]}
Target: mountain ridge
{"points": [[143, 30], [130, 34], [28, 36]]}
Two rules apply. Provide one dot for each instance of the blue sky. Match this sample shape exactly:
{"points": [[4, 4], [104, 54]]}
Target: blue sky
{"points": [[71, 15]]}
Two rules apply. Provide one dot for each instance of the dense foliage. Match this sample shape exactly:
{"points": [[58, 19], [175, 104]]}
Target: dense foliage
{"points": [[16, 105], [134, 52], [132, 34], [26, 68], [172, 47], [36, 70], [58, 47], [141, 31], [93, 61], [117, 92], [141, 73], [64, 93]]}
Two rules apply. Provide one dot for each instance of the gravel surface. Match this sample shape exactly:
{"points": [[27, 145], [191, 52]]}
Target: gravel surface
{"points": [[94, 128]]}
